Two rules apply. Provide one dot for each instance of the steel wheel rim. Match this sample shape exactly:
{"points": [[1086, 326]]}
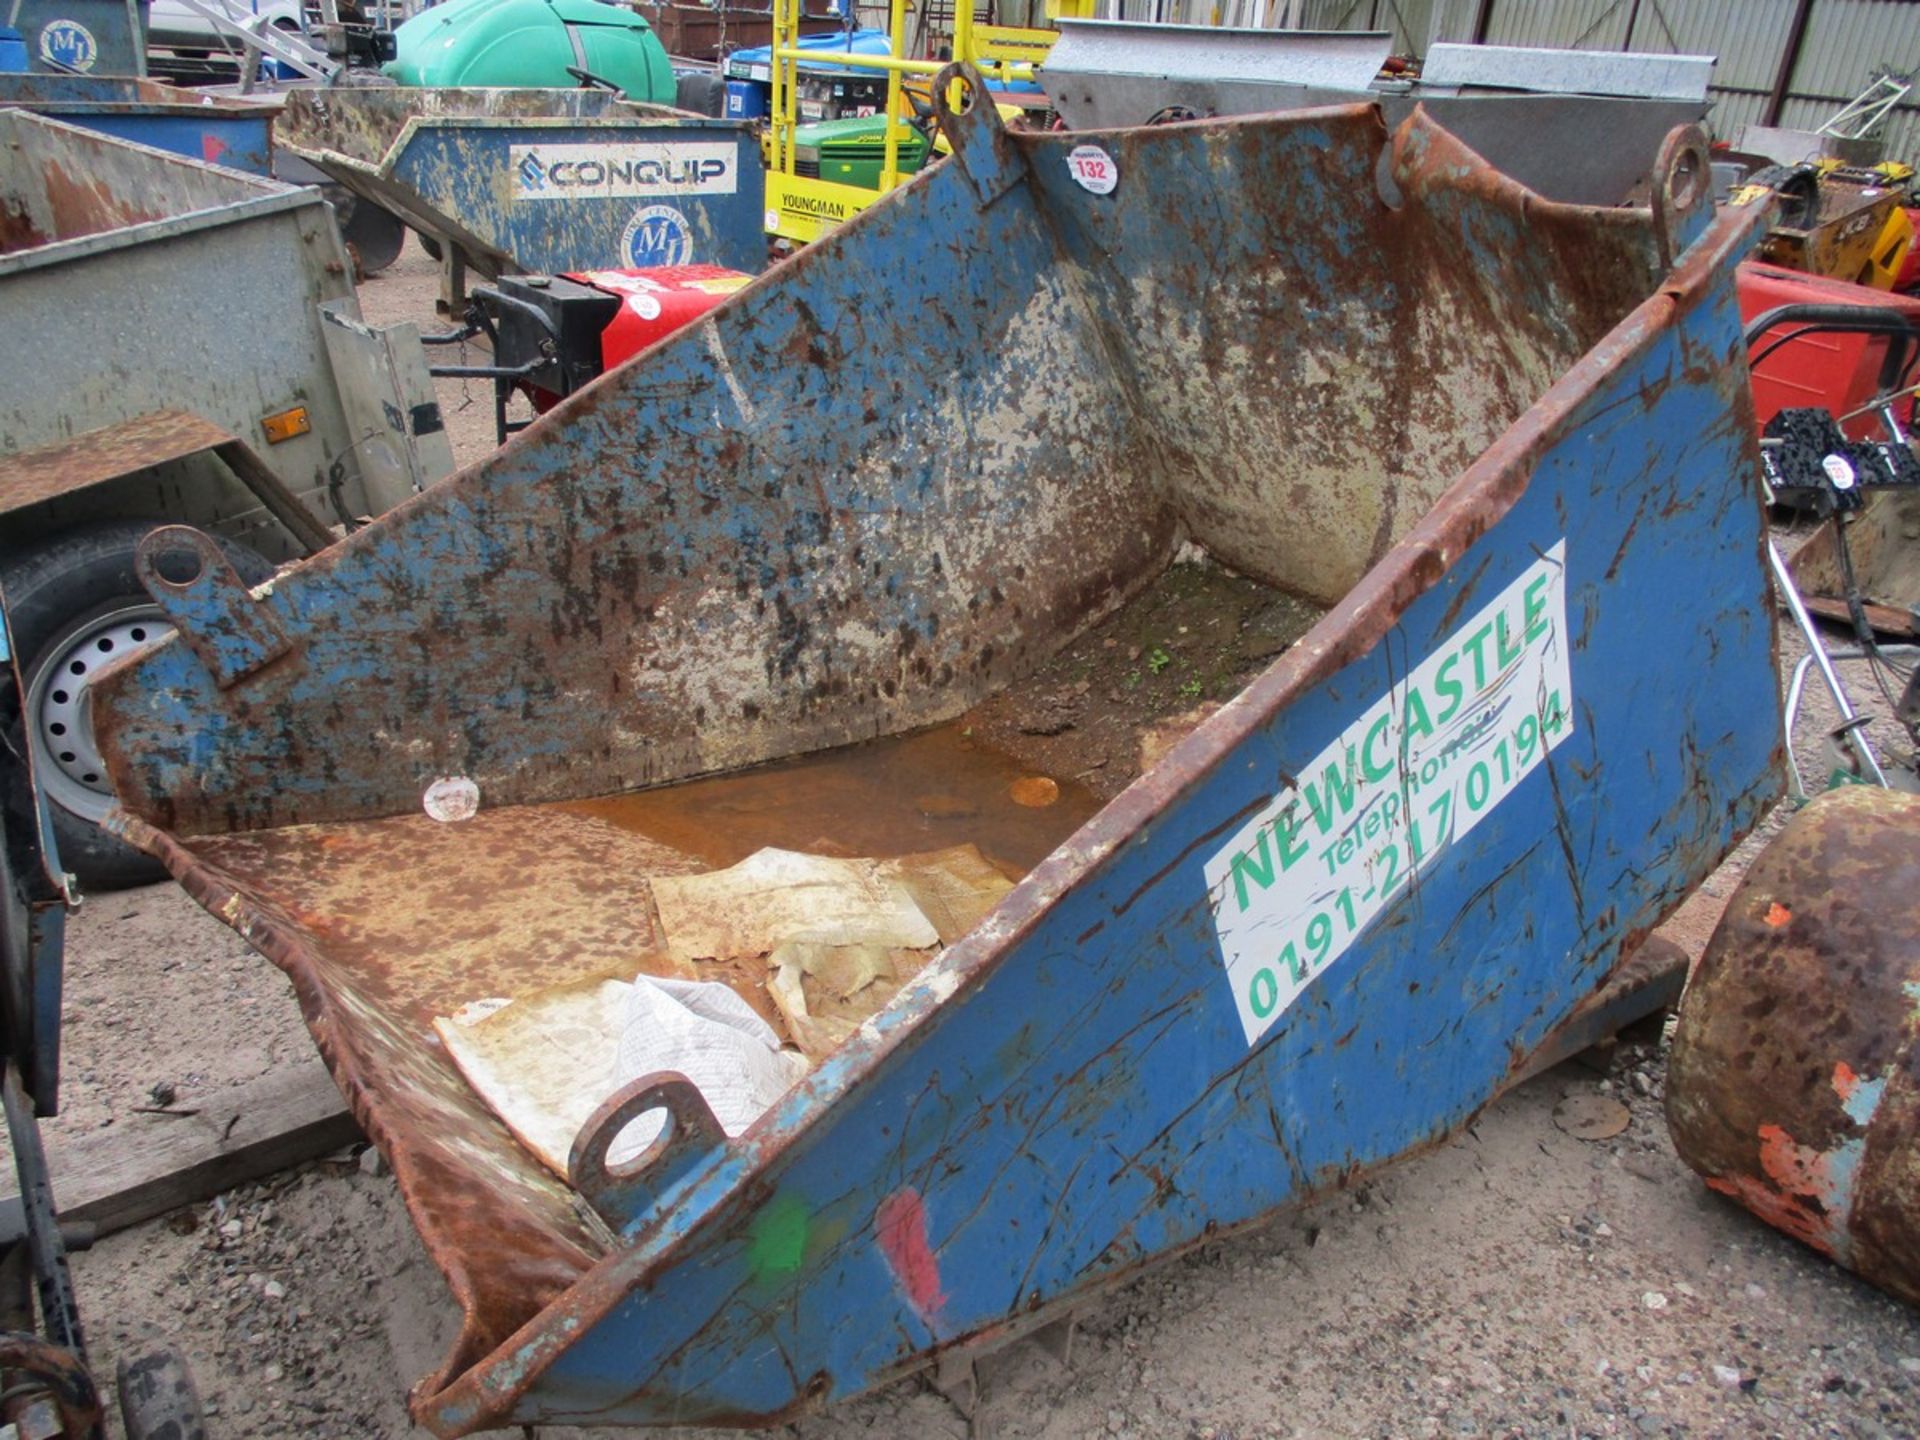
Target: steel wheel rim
{"points": [[66, 756]]}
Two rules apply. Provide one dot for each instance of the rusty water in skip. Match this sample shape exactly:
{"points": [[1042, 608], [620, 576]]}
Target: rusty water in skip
{"points": [[898, 796], [422, 917], [1015, 775], [515, 936]]}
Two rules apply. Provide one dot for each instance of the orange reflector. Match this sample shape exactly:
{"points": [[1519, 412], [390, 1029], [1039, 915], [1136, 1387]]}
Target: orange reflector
{"points": [[286, 425]]}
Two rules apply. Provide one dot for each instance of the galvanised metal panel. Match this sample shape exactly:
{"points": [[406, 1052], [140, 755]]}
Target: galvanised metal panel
{"points": [[1505, 438], [1847, 42]]}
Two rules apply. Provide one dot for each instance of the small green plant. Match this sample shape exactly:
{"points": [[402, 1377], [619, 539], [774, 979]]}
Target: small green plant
{"points": [[1158, 659], [1193, 689], [1132, 682]]}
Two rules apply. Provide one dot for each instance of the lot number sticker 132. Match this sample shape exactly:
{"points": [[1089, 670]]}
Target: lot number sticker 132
{"points": [[1423, 765]]}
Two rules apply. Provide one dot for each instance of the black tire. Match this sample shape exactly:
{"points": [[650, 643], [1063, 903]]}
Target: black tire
{"points": [[376, 236], [158, 1399], [431, 246], [703, 94], [74, 600]]}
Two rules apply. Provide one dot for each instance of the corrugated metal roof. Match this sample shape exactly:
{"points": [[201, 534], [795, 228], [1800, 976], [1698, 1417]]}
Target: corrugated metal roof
{"points": [[1573, 24], [1849, 41], [1407, 20], [1746, 35], [1733, 111]]}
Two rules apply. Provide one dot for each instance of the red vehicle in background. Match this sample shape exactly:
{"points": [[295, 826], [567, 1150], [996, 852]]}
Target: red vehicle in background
{"points": [[552, 334], [1838, 371]]}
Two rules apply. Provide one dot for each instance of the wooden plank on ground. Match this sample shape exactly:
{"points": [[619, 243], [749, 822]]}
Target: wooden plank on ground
{"points": [[146, 1165], [1883, 618]]}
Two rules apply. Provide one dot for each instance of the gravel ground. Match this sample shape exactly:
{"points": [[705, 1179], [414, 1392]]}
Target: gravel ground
{"points": [[1516, 1281]]}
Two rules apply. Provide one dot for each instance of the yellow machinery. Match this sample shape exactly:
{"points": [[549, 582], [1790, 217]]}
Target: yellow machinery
{"points": [[1846, 223], [804, 207]]}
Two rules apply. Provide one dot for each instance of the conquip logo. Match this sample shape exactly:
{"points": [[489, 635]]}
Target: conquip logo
{"points": [[628, 171]]}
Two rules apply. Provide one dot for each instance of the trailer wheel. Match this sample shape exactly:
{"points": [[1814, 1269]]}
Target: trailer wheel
{"points": [[375, 235], [158, 1399], [74, 604]]}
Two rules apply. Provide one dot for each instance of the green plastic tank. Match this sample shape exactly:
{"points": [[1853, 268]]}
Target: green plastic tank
{"points": [[517, 43]]}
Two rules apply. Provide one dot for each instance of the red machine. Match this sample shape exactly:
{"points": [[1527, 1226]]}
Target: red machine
{"points": [[1837, 372], [655, 303], [1909, 277], [552, 334]]}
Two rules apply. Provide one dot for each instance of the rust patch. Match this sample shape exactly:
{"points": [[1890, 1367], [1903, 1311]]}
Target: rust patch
{"points": [[97, 456], [17, 230]]}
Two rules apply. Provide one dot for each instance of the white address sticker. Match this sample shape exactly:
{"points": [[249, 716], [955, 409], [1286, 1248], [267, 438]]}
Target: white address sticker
{"points": [[614, 172], [1423, 765], [1093, 169]]}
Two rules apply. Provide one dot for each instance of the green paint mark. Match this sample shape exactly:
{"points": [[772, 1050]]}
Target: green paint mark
{"points": [[779, 1239]]}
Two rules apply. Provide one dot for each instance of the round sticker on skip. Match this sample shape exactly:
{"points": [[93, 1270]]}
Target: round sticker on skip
{"points": [[451, 799], [1839, 471], [657, 235], [1093, 169], [68, 45]]}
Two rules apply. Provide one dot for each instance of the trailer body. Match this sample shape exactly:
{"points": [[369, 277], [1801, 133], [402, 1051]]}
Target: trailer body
{"points": [[184, 346]]}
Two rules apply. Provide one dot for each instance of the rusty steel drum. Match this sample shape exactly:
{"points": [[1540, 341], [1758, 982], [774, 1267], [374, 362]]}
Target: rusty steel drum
{"points": [[1792, 1086]]}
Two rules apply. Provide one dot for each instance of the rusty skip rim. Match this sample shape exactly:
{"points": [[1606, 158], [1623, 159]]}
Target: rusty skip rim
{"points": [[486, 1394], [394, 148]]}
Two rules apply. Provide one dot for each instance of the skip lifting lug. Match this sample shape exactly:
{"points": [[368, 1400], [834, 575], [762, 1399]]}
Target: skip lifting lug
{"points": [[982, 148]]}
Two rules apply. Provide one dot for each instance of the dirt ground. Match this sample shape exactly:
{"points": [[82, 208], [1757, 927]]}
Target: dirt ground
{"points": [[1517, 1281]]}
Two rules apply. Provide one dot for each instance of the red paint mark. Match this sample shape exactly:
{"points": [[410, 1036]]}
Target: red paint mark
{"points": [[212, 147], [1796, 1194], [1786, 1213], [901, 1227], [1777, 915], [1844, 1081], [1792, 1166]]}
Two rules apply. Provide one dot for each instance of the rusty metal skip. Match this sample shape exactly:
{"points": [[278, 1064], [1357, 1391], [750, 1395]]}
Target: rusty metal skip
{"points": [[1508, 442]]}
